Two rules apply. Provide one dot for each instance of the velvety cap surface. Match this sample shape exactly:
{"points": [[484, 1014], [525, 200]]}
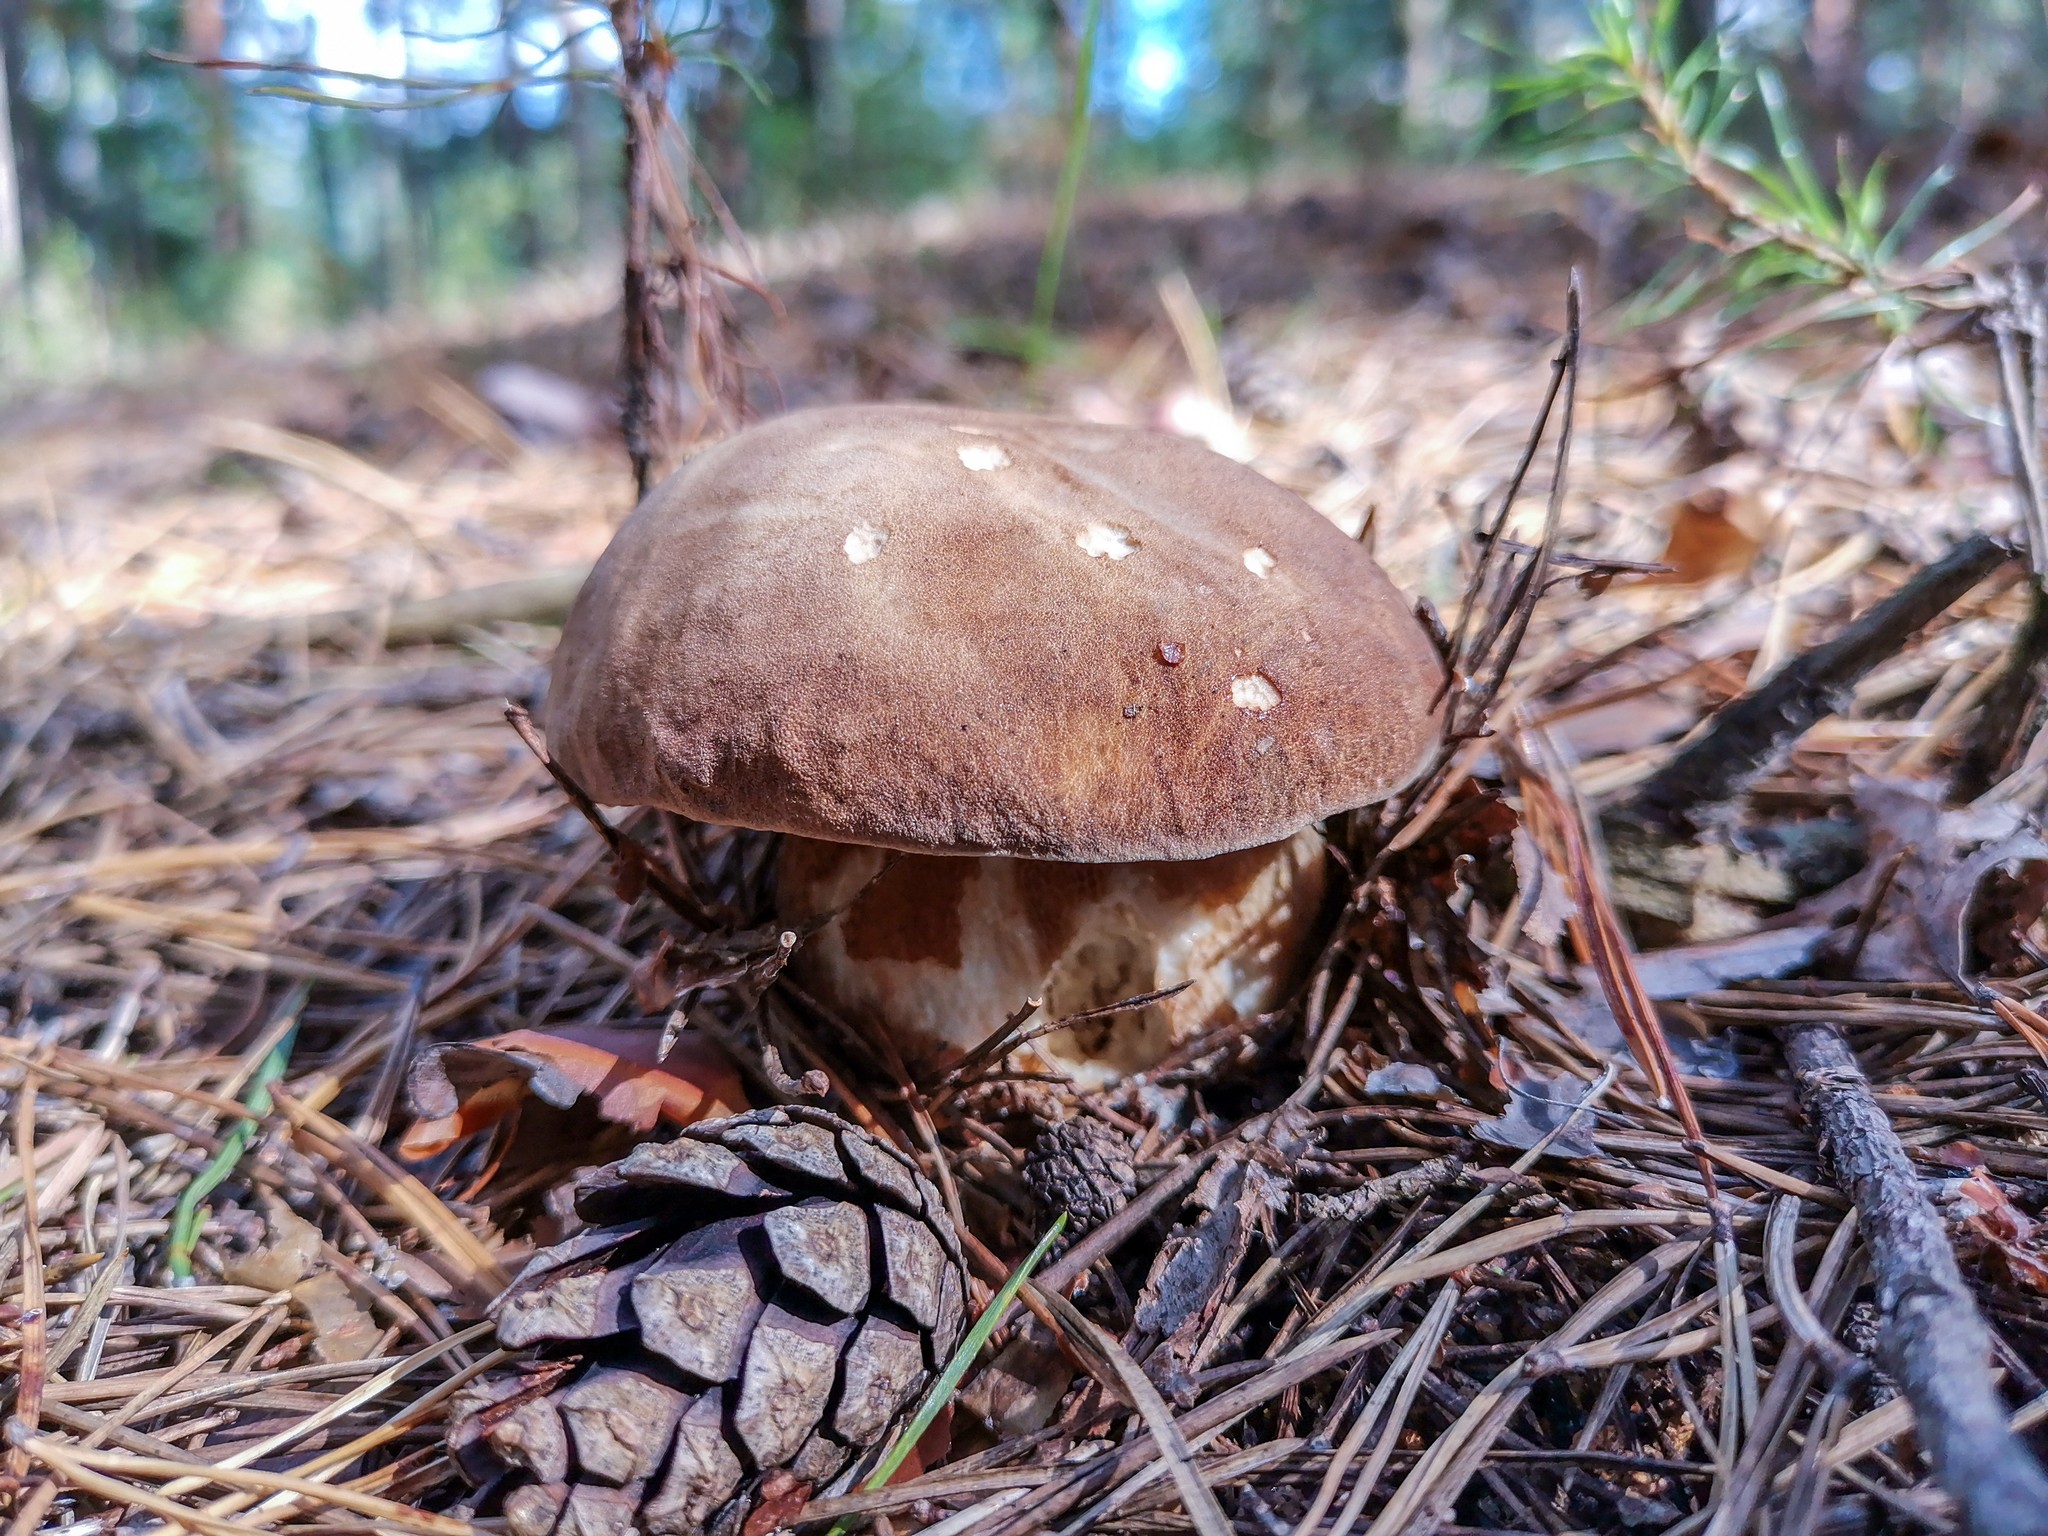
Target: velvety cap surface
{"points": [[930, 628]]}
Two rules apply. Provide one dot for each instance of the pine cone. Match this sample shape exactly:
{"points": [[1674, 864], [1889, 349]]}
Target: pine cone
{"points": [[1084, 1168], [764, 1295]]}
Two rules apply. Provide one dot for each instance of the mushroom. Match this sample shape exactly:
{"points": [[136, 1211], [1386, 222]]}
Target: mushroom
{"points": [[1046, 709]]}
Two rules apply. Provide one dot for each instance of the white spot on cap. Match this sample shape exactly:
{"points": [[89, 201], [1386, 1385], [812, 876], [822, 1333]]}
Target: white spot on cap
{"points": [[1255, 693], [1259, 561], [1099, 539], [864, 543], [984, 456]]}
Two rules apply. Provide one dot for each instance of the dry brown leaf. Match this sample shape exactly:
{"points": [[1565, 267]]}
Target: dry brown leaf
{"points": [[2006, 1231], [932, 1448], [342, 1329], [1705, 541], [289, 1252], [1018, 1392], [459, 1090]]}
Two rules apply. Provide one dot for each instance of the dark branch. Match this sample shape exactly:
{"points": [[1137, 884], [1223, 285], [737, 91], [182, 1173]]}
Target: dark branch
{"points": [[1932, 1341], [1743, 740]]}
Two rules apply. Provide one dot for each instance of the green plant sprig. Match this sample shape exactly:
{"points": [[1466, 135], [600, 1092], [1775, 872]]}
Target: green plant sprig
{"points": [[190, 1214], [1689, 120], [1054, 253], [941, 1391]]}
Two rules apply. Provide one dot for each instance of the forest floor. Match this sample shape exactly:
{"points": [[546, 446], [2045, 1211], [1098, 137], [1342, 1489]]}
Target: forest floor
{"points": [[265, 835]]}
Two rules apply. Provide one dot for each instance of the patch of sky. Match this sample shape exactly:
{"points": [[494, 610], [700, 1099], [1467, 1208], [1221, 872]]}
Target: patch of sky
{"points": [[1155, 58], [1890, 73], [538, 46], [349, 35], [963, 73], [1769, 25], [438, 40], [1155, 55]]}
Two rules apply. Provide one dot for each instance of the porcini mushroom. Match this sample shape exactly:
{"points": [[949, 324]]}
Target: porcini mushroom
{"points": [[1090, 688]]}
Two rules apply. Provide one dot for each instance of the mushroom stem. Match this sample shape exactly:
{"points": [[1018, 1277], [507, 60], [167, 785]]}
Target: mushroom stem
{"points": [[939, 950]]}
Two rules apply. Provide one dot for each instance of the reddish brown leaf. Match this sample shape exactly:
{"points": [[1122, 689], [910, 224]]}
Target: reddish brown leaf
{"points": [[1705, 541], [1958, 1154], [783, 1494], [459, 1090], [2006, 1231], [654, 979], [478, 1111], [932, 1447], [629, 879]]}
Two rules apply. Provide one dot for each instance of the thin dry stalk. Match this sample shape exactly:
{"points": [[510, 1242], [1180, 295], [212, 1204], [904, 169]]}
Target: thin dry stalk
{"points": [[1402, 1380]]}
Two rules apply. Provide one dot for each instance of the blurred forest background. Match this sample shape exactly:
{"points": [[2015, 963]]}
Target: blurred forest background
{"points": [[417, 155]]}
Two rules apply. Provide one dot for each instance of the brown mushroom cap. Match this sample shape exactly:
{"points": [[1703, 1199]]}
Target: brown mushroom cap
{"points": [[920, 627]]}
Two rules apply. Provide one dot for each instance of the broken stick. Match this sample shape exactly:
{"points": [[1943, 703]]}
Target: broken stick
{"points": [[1931, 1340], [1744, 738]]}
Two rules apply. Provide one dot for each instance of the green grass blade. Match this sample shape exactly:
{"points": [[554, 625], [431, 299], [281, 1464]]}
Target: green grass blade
{"points": [[941, 1391], [1703, 61], [1729, 101], [1910, 215], [1054, 254], [190, 1214], [1970, 239], [1812, 201]]}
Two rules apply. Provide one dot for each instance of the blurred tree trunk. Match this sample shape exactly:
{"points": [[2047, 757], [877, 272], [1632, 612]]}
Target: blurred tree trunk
{"points": [[205, 38], [417, 216], [1064, 36], [122, 148], [393, 275], [1426, 34], [1282, 89], [409, 215], [594, 169], [1933, 89], [720, 131], [327, 176], [1833, 43], [41, 198], [831, 107], [793, 31], [10, 190], [516, 139]]}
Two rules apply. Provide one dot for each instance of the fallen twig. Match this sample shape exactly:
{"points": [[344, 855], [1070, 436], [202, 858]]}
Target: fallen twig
{"points": [[542, 599], [2010, 715], [1743, 739], [634, 861], [1932, 1341]]}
